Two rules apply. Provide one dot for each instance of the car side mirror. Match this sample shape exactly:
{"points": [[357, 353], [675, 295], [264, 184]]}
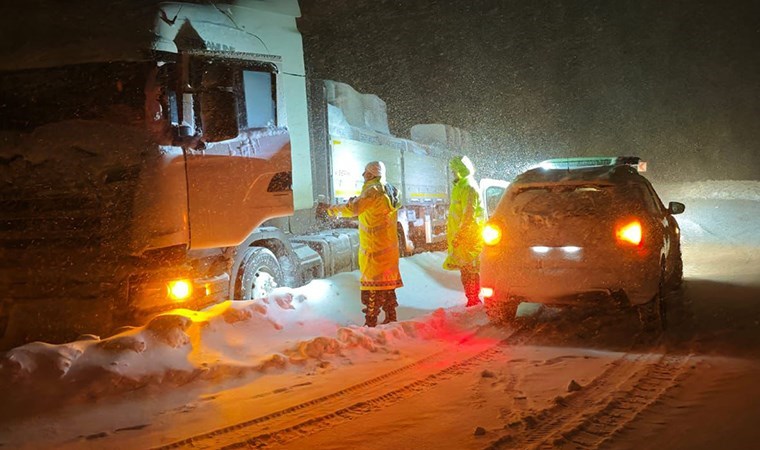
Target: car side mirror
{"points": [[676, 208]]}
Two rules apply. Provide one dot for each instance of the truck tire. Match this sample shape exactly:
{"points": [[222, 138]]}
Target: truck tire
{"points": [[259, 274]]}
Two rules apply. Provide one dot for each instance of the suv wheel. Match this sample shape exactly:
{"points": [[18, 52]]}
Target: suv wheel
{"points": [[653, 314], [676, 279], [501, 312]]}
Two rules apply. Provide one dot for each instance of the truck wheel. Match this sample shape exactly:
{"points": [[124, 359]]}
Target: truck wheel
{"points": [[259, 274], [501, 312]]}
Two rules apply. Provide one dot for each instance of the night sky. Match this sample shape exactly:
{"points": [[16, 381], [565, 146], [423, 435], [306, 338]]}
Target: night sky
{"points": [[676, 82]]}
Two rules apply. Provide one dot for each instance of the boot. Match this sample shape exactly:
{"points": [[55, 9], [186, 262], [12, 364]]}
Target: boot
{"points": [[371, 309], [389, 305], [390, 315], [471, 284]]}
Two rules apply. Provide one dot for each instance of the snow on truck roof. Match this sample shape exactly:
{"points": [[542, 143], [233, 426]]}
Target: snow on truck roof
{"points": [[51, 33]]}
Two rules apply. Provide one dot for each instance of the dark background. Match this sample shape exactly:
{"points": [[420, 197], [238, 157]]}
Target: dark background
{"points": [[676, 82]]}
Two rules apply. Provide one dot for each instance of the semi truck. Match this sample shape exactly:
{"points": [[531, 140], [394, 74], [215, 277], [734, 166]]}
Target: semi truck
{"points": [[156, 155]]}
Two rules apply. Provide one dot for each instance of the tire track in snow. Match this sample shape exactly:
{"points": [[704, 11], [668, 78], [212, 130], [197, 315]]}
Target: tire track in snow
{"points": [[624, 407], [346, 404], [592, 416]]}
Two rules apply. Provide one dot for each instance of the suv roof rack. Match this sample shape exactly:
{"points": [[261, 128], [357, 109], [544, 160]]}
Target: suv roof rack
{"points": [[593, 161]]}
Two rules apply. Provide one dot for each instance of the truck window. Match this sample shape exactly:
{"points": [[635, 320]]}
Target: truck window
{"points": [[223, 96], [112, 92], [218, 95], [260, 104]]}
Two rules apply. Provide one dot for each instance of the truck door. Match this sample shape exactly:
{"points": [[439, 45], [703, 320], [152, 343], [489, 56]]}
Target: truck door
{"points": [[240, 172]]}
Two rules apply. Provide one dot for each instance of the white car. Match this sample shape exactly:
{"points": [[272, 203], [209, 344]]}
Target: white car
{"points": [[581, 230]]}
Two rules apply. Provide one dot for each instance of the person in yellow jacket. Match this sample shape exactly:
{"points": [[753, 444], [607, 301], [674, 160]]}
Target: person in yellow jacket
{"points": [[463, 228], [376, 208]]}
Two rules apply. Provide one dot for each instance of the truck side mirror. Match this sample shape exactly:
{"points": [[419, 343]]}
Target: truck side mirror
{"points": [[676, 208], [219, 114]]}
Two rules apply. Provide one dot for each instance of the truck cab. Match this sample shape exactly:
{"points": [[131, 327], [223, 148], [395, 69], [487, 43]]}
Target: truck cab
{"points": [[139, 149]]}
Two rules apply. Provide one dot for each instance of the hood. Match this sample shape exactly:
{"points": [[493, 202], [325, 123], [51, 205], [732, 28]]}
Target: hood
{"points": [[462, 166]]}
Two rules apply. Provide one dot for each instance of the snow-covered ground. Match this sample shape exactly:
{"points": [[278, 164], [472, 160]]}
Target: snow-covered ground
{"points": [[297, 370]]}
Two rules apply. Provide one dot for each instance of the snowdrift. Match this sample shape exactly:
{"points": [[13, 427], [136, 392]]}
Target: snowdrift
{"points": [[289, 330]]}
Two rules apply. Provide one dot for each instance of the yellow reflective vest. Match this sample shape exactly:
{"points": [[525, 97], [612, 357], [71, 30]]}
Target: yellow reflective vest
{"points": [[466, 219], [378, 239]]}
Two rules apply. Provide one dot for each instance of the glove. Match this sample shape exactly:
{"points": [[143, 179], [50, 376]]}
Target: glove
{"points": [[332, 211]]}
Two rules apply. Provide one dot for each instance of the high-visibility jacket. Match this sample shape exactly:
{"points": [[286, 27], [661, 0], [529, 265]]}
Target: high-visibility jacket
{"points": [[466, 218], [376, 208]]}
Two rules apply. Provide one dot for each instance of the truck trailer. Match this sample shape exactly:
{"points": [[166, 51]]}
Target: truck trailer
{"points": [[156, 155]]}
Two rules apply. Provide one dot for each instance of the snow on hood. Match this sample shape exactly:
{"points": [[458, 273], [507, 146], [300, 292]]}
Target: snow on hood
{"points": [[289, 329], [63, 141]]}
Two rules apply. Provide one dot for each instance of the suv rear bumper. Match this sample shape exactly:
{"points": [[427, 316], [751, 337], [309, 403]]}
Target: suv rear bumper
{"points": [[571, 284]]}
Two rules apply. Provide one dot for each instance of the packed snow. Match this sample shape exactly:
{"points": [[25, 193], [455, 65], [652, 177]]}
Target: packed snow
{"points": [[188, 373]]}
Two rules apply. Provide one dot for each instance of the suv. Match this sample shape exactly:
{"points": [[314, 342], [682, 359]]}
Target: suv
{"points": [[577, 230]]}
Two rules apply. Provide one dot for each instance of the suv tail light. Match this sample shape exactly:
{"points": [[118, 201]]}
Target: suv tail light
{"points": [[486, 292], [630, 233], [491, 234]]}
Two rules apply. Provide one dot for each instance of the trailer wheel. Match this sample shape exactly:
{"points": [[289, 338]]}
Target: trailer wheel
{"points": [[259, 274]]}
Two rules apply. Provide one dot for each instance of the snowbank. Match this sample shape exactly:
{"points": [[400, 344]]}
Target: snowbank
{"points": [[291, 328]]}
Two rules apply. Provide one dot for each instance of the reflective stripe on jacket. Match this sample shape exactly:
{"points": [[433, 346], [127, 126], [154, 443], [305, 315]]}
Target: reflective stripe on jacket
{"points": [[378, 239]]}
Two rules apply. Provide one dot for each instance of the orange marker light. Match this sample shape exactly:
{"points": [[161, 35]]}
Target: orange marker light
{"points": [[486, 292], [491, 234], [630, 233], [180, 290]]}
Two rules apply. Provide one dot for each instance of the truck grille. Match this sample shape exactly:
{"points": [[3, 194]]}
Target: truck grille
{"points": [[71, 222], [62, 236]]}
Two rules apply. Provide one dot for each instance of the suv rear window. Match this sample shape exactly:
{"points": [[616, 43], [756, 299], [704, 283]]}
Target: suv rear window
{"points": [[575, 201]]}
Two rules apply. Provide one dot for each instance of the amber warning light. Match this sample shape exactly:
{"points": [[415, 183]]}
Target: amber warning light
{"points": [[180, 290]]}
